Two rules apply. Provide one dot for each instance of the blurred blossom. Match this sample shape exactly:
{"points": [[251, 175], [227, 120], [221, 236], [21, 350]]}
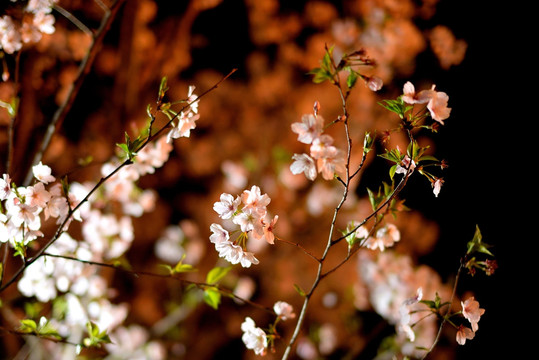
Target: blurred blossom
{"points": [[169, 247], [303, 163], [235, 175], [305, 349], [133, 343], [384, 237], [328, 338], [309, 128], [284, 310], [245, 288], [391, 281]]}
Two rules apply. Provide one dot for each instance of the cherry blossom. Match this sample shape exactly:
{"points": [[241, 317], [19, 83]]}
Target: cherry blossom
{"points": [[309, 128], [407, 163], [252, 199], [410, 96], [464, 333], [43, 173], [472, 312], [436, 101], [5, 187], [219, 234], [37, 196], [268, 230], [384, 237], [284, 310], [375, 83], [334, 163], [254, 337], [436, 186], [227, 206], [437, 106], [303, 163]]}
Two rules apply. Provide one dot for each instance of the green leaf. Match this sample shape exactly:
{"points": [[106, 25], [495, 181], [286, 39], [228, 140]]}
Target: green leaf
{"points": [[477, 245], [368, 142], [95, 336], [216, 274], [163, 88], [396, 106], [28, 326], [300, 290], [182, 268], [212, 297], [351, 79]]}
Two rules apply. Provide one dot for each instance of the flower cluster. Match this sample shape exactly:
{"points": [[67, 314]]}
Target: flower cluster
{"points": [[107, 232], [393, 287], [324, 158], [471, 312], [20, 220], [248, 213], [36, 20]]}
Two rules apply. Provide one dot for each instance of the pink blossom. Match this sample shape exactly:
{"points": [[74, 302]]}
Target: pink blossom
{"points": [[5, 187], [219, 234], [309, 128], [322, 147], [44, 22], [385, 237], [43, 173], [37, 195], [284, 310], [303, 163], [186, 123], [472, 312], [406, 163], [268, 230], [375, 83], [464, 333], [436, 101], [23, 213], [227, 206], [254, 337], [252, 199], [229, 251], [436, 186], [249, 219], [437, 106], [10, 38], [410, 96], [330, 165], [247, 259]]}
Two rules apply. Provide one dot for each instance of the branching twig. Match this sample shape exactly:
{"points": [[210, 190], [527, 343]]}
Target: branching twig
{"points": [[84, 69]]}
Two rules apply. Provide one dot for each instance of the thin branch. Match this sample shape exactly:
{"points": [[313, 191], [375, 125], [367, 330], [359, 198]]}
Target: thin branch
{"points": [[445, 318], [69, 16], [138, 273], [84, 69], [329, 243], [307, 252]]}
